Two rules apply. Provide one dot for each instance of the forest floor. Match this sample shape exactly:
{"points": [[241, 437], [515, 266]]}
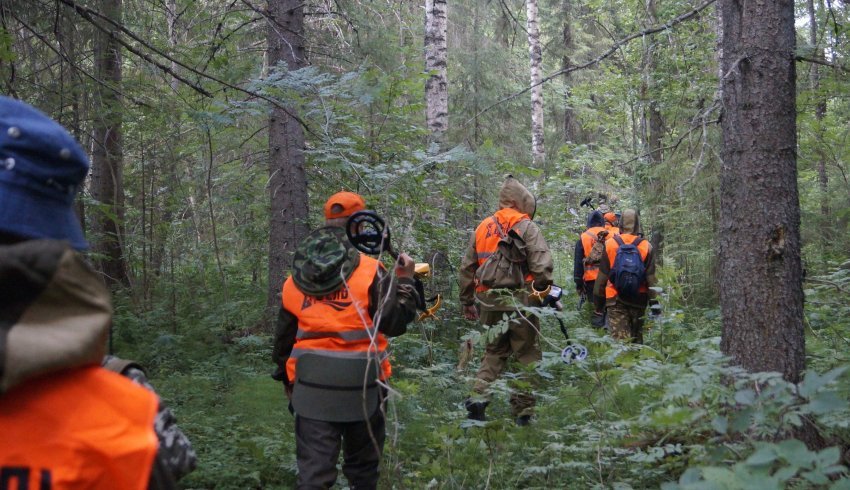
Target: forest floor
{"points": [[626, 417]]}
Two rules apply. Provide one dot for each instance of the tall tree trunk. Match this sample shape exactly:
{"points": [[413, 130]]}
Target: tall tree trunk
{"points": [[107, 186], [436, 87], [655, 132], [761, 298], [571, 127], [820, 113], [538, 155], [287, 178]]}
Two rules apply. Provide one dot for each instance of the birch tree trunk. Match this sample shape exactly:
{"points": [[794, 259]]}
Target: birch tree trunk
{"points": [[762, 299], [287, 178], [436, 87], [538, 155], [107, 186]]}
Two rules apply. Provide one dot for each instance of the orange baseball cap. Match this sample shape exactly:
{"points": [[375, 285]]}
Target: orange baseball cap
{"points": [[610, 217], [348, 203]]}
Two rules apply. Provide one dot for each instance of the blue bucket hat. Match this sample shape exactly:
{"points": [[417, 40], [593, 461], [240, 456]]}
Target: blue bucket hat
{"points": [[41, 169]]}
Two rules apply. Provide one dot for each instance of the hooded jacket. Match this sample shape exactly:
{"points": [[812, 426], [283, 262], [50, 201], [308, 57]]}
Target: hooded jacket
{"points": [[629, 231], [55, 314], [516, 210]]}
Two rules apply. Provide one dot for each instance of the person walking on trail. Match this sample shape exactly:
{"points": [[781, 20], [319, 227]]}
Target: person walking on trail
{"points": [[514, 218], [586, 263], [626, 273], [330, 347], [612, 223], [65, 422]]}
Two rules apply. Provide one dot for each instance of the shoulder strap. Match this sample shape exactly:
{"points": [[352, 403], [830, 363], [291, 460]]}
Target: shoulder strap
{"points": [[499, 227], [619, 240], [637, 241]]}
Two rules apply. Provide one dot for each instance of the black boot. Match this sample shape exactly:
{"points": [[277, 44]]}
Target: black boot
{"points": [[476, 409], [523, 420]]}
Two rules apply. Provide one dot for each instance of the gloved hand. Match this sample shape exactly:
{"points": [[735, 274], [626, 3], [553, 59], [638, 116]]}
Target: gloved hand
{"points": [[404, 266], [470, 312]]}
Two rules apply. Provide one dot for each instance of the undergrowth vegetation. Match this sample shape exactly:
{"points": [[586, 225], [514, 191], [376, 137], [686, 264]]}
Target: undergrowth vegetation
{"points": [[672, 413]]}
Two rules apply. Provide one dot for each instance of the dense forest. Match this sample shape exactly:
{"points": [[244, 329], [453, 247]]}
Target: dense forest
{"points": [[217, 129]]}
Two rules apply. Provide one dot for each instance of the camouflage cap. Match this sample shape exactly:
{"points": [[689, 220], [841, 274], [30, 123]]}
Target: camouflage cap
{"points": [[322, 260]]}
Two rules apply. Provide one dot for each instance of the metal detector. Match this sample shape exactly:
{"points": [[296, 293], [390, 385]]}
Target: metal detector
{"points": [[573, 352], [370, 234]]}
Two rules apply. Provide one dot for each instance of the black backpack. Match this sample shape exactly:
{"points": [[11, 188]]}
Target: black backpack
{"points": [[629, 271]]}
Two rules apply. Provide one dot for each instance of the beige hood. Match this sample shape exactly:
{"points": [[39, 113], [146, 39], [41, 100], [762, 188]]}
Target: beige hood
{"points": [[630, 222], [55, 311], [515, 195]]}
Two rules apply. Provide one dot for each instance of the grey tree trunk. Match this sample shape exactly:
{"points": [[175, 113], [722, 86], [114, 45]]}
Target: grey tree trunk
{"points": [[571, 124], [107, 186], [761, 298], [287, 178], [820, 113], [538, 154], [654, 130], [436, 87]]}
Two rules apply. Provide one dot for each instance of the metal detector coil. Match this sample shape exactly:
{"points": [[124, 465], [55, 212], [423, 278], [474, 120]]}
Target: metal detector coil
{"points": [[369, 233], [574, 353]]}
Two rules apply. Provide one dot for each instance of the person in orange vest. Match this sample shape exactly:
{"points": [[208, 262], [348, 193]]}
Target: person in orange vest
{"points": [[612, 223], [65, 422], [331, 349], [626, 274], [586, 267], [516, 210]]}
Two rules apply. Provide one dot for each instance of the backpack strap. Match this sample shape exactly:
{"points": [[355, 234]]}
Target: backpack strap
{"points": [[499, 227], [620, 241]]}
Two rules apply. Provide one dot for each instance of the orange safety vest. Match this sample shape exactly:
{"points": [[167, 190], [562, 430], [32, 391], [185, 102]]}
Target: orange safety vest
{"points": [[613, 229], [85, 428], [611, 247], [588, 238], [337, 324], [487, 236]]}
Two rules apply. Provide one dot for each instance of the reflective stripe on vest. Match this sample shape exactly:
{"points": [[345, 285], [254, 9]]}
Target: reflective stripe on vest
{"points": [[487, 236], [588, 238], [82, 428], [611, 247], [337, 324]]}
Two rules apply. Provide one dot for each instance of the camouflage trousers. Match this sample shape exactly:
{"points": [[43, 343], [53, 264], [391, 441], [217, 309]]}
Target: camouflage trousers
{"points": [[625, 322], [520, 341]]}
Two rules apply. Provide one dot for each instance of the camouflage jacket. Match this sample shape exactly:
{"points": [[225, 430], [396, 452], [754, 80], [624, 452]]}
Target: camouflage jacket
{"points": [[175, 449]]}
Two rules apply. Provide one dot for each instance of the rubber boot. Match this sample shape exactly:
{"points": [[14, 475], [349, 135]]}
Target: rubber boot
{"points": [[476, 409]]}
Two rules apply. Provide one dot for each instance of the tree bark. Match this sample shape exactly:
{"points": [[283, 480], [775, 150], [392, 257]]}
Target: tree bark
{"points": [[538, 154], [107, 186], [436, 87], [571, 125], [655, 131], [287, 178], [761, 298], [820, 113]]}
